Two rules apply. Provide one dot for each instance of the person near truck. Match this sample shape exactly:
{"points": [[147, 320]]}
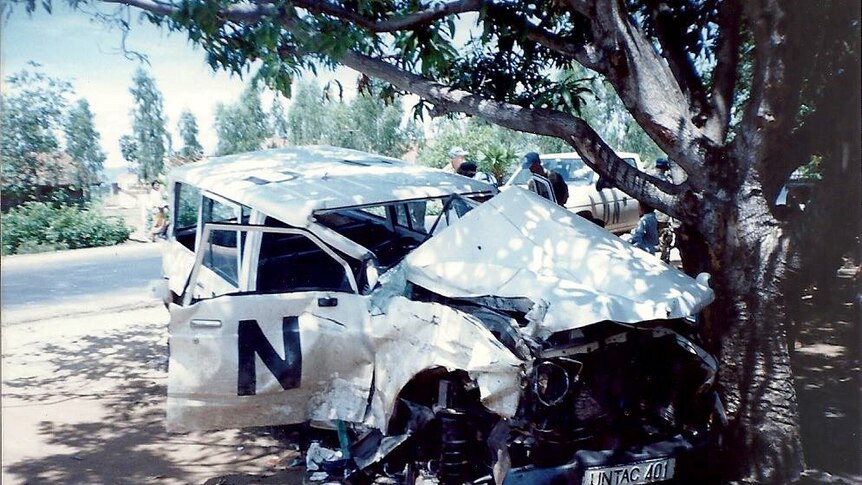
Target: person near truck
{"points": [[457, 155], [645, 235]]}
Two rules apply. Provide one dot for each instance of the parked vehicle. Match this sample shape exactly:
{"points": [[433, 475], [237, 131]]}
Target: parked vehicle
{"points": [[443, 329], [614, 207]]}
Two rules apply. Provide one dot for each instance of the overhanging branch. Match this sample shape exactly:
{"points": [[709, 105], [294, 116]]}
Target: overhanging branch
{"points": [[396, 23], [725, 73]]}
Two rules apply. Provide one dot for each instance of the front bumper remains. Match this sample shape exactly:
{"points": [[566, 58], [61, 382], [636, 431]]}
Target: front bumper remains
{"points": [[693, 462]]}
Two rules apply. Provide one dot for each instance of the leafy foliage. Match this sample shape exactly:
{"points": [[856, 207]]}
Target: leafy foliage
{"points": [[369, 123], [148, 127], [496, 150], [41, 226], [34, 106], [188, 128], [82, 143], [278, 120], [241, 127], [307, 118]]}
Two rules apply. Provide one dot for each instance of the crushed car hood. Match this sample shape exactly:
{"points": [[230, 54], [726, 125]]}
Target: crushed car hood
{"points": [[519, 245]]}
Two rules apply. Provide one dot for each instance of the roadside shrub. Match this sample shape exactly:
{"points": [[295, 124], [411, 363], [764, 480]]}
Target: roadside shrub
{"points": [[40, 227]]}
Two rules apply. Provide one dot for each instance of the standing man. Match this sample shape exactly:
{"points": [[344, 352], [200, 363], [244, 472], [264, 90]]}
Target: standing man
{"points": [[155, 204], [666, 226], [539, 182], [457, 155]]}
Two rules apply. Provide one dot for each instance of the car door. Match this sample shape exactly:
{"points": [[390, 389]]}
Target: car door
{"points": [[290, 349]]}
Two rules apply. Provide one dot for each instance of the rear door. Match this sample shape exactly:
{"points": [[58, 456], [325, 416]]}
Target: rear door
{"points": [[289, 349]]}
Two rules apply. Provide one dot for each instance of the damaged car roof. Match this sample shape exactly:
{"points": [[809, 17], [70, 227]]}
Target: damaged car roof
{"points": [[291, 183], [519, 245]]}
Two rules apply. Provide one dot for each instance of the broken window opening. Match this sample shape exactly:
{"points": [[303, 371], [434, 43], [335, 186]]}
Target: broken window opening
{"points": [[391, 231], [294, 262]]}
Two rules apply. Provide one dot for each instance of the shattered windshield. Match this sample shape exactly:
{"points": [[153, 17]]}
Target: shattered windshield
{"points": [[393, 229]]}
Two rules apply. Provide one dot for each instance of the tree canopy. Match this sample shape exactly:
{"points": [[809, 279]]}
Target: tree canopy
{"points": [[149, 130], [243, 126], [82, 143], [188, 128], [36, 158]]}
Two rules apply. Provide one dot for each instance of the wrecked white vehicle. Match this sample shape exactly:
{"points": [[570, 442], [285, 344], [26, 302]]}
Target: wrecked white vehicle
{"points": [[445, 331]]}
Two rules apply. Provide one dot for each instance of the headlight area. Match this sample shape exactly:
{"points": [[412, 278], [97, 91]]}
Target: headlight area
{"points": [[614, 387]]}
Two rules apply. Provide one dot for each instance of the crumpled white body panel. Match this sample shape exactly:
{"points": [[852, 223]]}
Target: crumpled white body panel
{"points": [[345, 351], [413, 336], [520, 245]]}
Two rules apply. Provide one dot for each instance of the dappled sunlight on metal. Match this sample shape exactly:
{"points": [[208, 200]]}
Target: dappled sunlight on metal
{"points": [[520, 245]]}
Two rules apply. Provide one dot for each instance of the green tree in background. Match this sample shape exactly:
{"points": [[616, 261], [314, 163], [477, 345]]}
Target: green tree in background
{"points": [[83, 144], [241, 127], [496, 150], [369, 123], [34, 105], [188, 128], [129, 149], [148, 126], [307, 118], [278, 120]]}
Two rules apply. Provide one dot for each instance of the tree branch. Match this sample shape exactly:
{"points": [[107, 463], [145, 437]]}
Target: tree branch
{"points": [[775, 90], [393, 24], [725, 73], [598, 155], [649, 90], [658, 193], [241, 13], [670, 38]]}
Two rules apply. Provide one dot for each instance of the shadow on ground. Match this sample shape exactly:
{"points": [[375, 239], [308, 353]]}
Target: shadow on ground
{"points": [[827, 371], [100, 406]]}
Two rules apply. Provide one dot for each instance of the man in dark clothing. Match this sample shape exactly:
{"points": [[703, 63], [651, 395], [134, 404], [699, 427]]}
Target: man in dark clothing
{"points": [[539, 182]]}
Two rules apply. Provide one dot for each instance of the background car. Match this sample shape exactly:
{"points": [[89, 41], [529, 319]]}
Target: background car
{"points": [[615, 208]]}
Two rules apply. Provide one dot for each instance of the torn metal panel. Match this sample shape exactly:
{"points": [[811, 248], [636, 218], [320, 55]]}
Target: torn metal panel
{"points": [[411, 336], [518, 245]]}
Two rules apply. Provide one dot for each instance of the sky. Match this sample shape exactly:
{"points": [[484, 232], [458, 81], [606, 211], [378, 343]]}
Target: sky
{"points": [[72, 46]]}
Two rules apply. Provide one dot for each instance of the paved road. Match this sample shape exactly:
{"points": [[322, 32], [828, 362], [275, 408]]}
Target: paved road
{"points": [[78, 279]]}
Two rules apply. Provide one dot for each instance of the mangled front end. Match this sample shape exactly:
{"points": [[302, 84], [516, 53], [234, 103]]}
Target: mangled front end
{"points": [[615, 386]]}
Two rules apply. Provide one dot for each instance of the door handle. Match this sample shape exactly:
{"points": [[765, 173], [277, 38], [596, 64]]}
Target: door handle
{"points": [[327, 302], [205, 323]]}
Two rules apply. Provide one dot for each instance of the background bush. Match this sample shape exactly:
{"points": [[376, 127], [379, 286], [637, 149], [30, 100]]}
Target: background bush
{"points": [[39, 227]]}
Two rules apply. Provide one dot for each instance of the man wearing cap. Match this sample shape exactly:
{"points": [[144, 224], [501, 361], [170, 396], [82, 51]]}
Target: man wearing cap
{"points": [[457, 155], [533, 163], [662, 170]]}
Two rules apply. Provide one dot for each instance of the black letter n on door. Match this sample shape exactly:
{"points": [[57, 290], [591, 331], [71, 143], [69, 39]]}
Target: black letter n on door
{"points": [[251, 341]]}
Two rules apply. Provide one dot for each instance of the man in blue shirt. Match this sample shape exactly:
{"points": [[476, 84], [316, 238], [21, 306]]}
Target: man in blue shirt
{"points": [[645, 235]]}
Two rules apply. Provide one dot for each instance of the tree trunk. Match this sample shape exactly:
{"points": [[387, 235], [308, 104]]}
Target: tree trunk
{"points": [[746, 327]]}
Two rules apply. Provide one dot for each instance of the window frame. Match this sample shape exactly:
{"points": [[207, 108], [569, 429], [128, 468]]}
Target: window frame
{"points": [[253, 260]]}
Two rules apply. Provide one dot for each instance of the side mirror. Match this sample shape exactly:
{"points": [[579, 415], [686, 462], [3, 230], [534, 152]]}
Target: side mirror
{"points": [[371, 273]]}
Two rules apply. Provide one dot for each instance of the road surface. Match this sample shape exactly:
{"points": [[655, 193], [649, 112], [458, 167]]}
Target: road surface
{"points": [[84, 353], [69, 282]]}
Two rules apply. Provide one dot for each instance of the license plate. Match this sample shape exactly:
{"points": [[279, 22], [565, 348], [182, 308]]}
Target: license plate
{"points": [[644, 472]]}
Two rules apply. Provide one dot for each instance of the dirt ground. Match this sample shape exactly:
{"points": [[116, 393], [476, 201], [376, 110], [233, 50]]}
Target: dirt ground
{"points": [[83, 402], [826, 364]]}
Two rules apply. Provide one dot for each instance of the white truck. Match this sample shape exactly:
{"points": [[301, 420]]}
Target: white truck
{"points": [[615, 208]]}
